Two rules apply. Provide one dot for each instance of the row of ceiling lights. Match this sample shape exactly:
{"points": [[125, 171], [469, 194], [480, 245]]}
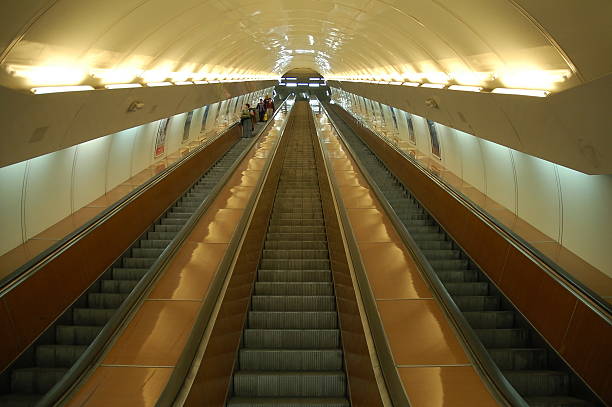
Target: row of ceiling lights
{"points": [[465, 88]]}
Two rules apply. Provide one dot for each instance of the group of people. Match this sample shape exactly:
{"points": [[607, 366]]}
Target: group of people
{"points": [[249, 116]]}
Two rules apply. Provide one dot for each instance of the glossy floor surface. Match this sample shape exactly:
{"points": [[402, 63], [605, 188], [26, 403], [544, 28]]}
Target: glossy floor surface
{"points": [[432, 363], [136, 368]]}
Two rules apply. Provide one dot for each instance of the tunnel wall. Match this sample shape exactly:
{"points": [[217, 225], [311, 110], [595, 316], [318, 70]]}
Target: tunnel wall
{"points": [[567, 206], [39, 192]]}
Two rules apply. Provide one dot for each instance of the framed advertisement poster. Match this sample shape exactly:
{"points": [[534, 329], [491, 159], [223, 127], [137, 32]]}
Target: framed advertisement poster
{"points": [[410, 125], [160, 139]]}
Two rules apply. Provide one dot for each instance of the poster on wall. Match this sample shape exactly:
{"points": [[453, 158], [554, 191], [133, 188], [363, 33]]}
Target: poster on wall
{"points": [[204, 117], [160, 139], [411, 135], [187, 126], [433, 134]]}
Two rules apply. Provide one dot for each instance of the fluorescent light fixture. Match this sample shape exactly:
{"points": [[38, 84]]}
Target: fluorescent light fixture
{"points": [[523, 92], [183, 83], [157, 84], [304, 51], [60, 89], [200, 82], [433, 85], [214, 81], [395, 83], [314, 85], [412, 84], [290, 79], [316, 79], [465, 88], [302, 84], [292, 85], [123, 86]]}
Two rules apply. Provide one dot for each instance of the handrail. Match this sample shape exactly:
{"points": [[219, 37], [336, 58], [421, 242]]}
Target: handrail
{"points": [[33, 265], [395, 388], [177, 378], [128, 307], [578, 288], [503, 390]]}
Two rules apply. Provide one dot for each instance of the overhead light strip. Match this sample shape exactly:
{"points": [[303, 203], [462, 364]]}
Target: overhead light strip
{"points": [[123, 86], [522, 92], [60, 89]]}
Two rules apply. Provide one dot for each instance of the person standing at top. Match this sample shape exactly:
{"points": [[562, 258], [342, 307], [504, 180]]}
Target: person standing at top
{"points": [[269, 105], [245, 121], [261, 109]]}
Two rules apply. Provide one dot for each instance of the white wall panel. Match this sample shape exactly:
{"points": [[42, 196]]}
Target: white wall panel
{"points": [[174, 136], [451, 146], [47, 196], [538, 193], [500, 174], [587, 216], [89, 171], [11, 185], [144, 145], [473, 169], [120, 157]]}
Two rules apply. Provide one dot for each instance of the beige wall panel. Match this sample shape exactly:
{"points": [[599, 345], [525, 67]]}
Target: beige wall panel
{"points": [[471, 157], [48, 191], [11, 185], [90, 171], [174, 139]]}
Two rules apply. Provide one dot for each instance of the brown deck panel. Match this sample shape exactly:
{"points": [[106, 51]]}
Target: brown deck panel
{"points": [[448, 386]]}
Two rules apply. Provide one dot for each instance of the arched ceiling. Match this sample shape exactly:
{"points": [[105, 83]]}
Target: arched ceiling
{"points": [[541, 44]]}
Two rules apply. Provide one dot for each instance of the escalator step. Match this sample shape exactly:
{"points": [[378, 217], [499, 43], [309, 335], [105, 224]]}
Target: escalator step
{"points": [[105, 300], [503, 338], [476, 288], [118, 286], [19, 400], [147, 252], [462, 276], [539, 382], [295, 254], [129, 273], [293, 303], [520, 358], [477, 303], [295, 264], [62, 356], [91, 316], [292, 338], [168, 228], [289, 384], [292, 320], [288, 402], [76, 335], [35, 380], [557, 401], [442, 254], [154, 244], [138, 262], [294, 276], [490, 319], [309, 288], [290, 359], [296, 236], [294, 245]]}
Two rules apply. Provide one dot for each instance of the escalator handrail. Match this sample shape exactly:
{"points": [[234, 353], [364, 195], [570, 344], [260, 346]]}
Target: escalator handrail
{"points": [[395, 388], [203, 318], [585, 294], [33, 265], [504, 391], [129, 306]]}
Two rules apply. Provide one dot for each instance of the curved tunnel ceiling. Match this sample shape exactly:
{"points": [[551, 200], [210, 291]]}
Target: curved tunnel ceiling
{"points": [[540, 44]]}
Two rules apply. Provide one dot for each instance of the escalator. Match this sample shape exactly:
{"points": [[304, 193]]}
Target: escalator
{"points": [[43, 364], [291, 351], [537, 373]]}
